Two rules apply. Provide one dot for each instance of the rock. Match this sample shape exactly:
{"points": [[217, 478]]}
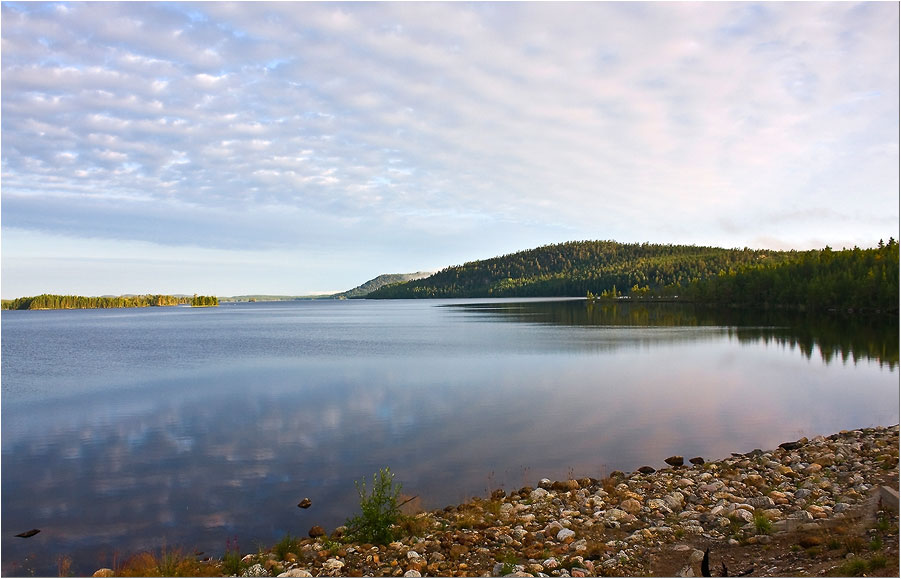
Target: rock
{"points": [[255, 570], [316, 532], [755, 480], [28, 534], [674, 500], [551, 530], [794, 445], [296, 573], [659, 505], [413, 555], [538, 494], [412, 573], [104, 572], [545, 483], [744, 515], [333, 567], [647, 470], [812, 469], [631, 506], [761, 502], [566, 536], [675, 460], [550, 563], [305, 503], [696, 460], [564, 486]]}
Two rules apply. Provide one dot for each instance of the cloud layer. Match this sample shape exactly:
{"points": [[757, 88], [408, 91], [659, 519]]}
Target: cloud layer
{"points": [[432, 133]]}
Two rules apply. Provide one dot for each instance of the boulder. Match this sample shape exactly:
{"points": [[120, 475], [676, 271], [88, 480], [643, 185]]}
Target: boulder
{"points": [[316, 531], [305, 503], [675, 460], [696, 460], [647, 470]]}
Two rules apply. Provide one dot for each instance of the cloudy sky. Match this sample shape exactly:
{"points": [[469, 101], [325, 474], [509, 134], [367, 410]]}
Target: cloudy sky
{"points": [[293, 148]]}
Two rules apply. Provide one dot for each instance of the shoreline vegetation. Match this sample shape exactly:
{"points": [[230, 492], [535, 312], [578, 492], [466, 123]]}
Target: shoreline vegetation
{"points": [[70, 302], [821, 506]]}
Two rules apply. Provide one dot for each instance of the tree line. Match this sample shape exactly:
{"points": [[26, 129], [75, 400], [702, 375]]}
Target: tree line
{"points": [[577, 267], [204, 301], [816, 279], [70, 302]]}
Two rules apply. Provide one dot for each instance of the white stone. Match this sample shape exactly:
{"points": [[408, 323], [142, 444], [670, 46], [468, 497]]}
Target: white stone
{"points": [[412, 573], [538, 494], [565, 534], [333, 566], [296, 573]]}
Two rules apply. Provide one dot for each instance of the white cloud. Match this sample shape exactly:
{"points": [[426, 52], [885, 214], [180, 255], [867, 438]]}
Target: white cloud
{"points": [[633, 121]]}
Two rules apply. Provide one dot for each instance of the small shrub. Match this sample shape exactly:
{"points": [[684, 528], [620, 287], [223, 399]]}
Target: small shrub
{"points": [[878, 562], [875, 544], [762, 524], [288, 544], [509, 564], [855, 567], [379, 510]]}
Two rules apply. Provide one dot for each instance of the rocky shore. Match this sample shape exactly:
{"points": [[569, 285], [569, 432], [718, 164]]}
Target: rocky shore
{"points": [[805, 508]]}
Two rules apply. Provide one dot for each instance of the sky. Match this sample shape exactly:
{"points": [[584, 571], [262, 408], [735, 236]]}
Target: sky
{"points": [[294, 148]]}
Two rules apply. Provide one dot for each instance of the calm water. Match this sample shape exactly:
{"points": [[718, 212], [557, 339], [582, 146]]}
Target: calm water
{"points": [[125, 430]]}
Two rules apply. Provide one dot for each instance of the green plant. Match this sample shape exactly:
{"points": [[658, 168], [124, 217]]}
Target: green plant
{"points": [[855, 567], [883, 524], [762, 524], [875, 544], [878, 562], [508, 564], [288, 544], [231, 560], [379, 510]]}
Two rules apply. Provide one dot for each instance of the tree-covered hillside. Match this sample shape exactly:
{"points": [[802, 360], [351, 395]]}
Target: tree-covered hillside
{"points": [[578, 267], [818, 279]]}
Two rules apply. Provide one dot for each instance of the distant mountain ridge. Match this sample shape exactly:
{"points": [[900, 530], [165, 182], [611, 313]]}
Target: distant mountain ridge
{"points": [[379, 282]]}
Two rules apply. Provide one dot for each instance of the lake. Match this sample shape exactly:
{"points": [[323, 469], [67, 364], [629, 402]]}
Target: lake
{"points": [[131, 429]]}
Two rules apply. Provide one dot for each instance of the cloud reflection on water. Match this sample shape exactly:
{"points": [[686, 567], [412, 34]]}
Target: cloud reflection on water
{"points": [[196, 460]]}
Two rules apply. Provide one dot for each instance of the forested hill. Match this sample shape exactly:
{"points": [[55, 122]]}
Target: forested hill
{"points": [[578, 267], [866, 279], [380, 281]]}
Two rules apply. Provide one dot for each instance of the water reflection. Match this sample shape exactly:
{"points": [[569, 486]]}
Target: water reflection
{"points": [[466, 403], [833, 336]]}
